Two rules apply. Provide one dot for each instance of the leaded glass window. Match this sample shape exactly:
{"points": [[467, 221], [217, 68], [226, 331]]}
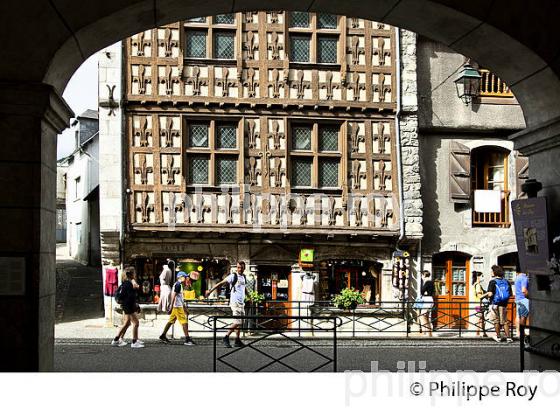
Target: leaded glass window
{"points": [[328, 173], [197, 20], [224, 19], [325, 20], [198, 170], [226, 171], [299, 19], [224, 45], [227, 136], [198, 136], [327, 49], [301, 138], [196, 44], [328, 139], [300, 49], [301, 172]]}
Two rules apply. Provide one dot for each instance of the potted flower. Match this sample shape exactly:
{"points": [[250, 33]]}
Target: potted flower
{"points": [[256, 305], [348, 299]]}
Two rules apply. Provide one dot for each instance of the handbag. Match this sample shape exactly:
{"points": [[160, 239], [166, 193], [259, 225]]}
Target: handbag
{"points": [[189, 294]]}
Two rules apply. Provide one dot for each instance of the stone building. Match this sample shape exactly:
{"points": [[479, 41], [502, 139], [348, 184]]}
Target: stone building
{"points": [[263, 137], [464, 154]]}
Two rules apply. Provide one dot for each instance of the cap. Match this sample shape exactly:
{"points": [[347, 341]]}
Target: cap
{"points": [[181, 274]]}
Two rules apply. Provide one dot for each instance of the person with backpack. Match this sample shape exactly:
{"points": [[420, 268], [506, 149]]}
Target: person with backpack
{"points": [[126, 296], [480, 307], [237, 283], [499, 292], [178, 311]]}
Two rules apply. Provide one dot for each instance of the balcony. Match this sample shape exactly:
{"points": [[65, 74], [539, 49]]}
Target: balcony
{"points": [[493, 219], [492, 86]]}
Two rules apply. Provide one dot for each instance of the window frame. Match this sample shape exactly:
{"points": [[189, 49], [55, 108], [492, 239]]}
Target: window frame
{"points": [[187, 36], [226, 33]]}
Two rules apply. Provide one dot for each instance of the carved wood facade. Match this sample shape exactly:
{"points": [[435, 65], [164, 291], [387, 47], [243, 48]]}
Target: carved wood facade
{"points": [[262, 96]]}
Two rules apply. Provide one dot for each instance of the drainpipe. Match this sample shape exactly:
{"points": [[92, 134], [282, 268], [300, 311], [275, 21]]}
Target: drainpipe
{"points": [[398, 134], [124, 192]]}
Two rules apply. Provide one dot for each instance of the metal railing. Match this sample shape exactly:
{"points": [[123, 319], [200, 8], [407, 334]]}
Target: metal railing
{"points": [[306, 319], [316, 358], [499, 219], [541, 342], [492, 86]]}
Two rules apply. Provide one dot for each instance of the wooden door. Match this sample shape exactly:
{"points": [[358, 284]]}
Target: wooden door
{"points": [[275, 283], [451, 275]]}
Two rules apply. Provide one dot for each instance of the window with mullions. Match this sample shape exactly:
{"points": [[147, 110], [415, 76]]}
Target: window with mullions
{"points": [[224, 19], [301, 172], [327, 49], [328, 173], [299, 47], [326, 21], [198, 169], [196, 44], [226, 170], [224, 45], [198, 136], [299, 19], [301, 138], [226, 136]]}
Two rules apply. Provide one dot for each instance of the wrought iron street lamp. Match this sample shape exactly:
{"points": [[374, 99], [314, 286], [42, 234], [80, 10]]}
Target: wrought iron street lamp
{"points": [[468, 83]]}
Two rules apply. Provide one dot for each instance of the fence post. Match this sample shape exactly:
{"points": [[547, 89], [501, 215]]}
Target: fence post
{"points": [[408, 318], [335, 342], [215, 365], [460, 318]]}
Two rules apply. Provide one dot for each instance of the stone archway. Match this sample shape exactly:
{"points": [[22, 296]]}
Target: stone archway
{"points": [[513, 39]]}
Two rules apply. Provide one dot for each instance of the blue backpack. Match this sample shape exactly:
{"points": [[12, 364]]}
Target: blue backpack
{"points": [[503, 291]]}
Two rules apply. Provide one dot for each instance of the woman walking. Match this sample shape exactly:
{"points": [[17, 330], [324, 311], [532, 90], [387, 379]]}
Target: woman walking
{"points": [[128, 301]]}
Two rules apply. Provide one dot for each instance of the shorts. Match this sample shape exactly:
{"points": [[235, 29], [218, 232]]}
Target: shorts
{"points": [[426, 305], [237, 309], [130, 309], [522, 307], [498, 314], [178, 313]]}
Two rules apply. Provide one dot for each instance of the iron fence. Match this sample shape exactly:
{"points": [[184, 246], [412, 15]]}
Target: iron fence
{"points": [[238, 359], [540, 342]]}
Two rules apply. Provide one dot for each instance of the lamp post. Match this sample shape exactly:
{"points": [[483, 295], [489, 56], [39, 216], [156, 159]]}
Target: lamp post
{"points": [[468, 83]]}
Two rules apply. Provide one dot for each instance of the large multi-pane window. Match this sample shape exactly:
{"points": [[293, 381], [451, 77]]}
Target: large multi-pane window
{"points": [[212, 153], [313, 38], [315, 155], [224, 45], [196, 44]]}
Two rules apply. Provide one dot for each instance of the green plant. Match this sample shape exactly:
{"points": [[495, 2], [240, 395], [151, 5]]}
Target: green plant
{"points": [[254, 297], [348, 299]]}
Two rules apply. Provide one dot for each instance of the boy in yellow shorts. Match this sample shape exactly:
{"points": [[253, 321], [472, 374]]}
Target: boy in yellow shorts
{"points": [[178, 311]]}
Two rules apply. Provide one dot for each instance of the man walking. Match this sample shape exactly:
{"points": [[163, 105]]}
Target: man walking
{"points": [[499, 291], [237, 283], [178, 311], [521, 292]]}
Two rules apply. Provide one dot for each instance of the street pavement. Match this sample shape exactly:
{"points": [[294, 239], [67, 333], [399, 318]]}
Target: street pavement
{"points": [[447, 355]]}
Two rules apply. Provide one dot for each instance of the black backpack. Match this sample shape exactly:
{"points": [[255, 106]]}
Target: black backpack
{"points": [[121, 295]]}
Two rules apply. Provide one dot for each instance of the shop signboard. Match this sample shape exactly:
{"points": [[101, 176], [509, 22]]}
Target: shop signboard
{"points": [[306, 257], [531, 232]]}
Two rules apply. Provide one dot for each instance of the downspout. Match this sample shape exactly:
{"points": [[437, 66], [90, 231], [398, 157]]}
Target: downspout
{"points": [[124, 191], [398, 135]]}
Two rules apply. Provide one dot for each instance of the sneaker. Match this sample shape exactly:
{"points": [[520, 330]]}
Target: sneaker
{"points": [[238, 343], [497, 339], [509, 340], [226, 342], [118, 343], [137, 345], [189, 342], [164, 339]]}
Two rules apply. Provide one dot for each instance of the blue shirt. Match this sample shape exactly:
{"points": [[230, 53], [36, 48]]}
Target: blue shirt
{"points": [[521, 281]]}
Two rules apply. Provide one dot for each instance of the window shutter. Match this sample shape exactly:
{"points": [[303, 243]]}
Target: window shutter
{"points": [[521, 173], [459, 173]]}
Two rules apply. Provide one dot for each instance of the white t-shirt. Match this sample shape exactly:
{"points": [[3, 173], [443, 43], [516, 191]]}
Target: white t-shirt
{"points": [[307, 284], [237, 295]]}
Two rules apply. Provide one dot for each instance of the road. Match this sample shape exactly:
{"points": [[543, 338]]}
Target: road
{"points": [[442, 355]]}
